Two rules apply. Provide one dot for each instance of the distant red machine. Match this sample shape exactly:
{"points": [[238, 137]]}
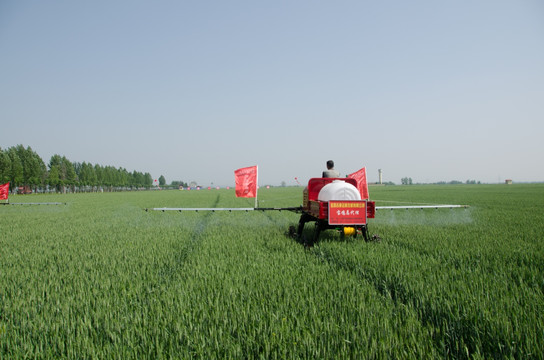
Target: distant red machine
{"points": [[24, 190]]}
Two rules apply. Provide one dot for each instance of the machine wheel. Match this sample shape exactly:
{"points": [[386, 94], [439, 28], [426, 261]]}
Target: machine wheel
{"points": [[304, 218], [292, 231], [317, 232], [364, 230]]}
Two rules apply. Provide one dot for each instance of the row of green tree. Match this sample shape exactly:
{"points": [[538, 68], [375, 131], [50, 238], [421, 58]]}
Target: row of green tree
{"points": [[23, 167]]}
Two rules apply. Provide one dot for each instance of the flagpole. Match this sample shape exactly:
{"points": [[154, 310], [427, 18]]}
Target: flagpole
{"points": [[256, 185]]}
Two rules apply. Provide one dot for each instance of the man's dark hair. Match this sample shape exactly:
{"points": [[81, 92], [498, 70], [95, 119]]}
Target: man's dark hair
{"points": [[330, 164]]}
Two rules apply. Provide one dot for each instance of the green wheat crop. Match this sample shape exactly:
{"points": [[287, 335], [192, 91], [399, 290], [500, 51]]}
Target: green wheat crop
{"points": [[100, 278]]}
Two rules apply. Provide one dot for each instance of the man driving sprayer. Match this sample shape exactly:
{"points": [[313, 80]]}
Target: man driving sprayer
{"points": [[330, 172]]}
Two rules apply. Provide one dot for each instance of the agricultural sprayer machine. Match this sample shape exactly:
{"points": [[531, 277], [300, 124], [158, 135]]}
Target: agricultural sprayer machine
{"points": [[329, 203]]}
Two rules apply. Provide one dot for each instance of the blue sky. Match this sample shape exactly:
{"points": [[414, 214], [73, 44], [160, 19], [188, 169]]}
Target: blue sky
{"points": [[432, 90]]}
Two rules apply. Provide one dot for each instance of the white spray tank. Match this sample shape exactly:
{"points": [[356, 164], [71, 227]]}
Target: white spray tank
{"points": [[338, 190]]}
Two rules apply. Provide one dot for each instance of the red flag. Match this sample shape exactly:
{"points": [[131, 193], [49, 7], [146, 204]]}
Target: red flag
{"points": [[246, 182], [360, 177], [4, 191]]}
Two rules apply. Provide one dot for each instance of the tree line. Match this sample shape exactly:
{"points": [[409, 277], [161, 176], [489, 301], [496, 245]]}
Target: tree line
{"points": [[23, 167]]}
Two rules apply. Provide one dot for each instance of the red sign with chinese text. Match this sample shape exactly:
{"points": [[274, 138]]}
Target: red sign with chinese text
{"points": [[347, 212]]}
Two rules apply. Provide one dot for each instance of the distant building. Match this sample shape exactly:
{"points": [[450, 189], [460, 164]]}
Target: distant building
{"points": [[508, 181]]}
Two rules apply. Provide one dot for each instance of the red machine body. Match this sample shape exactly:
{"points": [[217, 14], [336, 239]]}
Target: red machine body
{"points": [[320, 209], [334, 214]]}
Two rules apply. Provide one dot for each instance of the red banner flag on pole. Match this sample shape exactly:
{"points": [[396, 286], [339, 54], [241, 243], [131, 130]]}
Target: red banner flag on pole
{"points": [[4, 191], [360, 177], [246, 182]]}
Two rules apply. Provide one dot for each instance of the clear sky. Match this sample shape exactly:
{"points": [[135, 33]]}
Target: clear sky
{"points": [[192, 90]]}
